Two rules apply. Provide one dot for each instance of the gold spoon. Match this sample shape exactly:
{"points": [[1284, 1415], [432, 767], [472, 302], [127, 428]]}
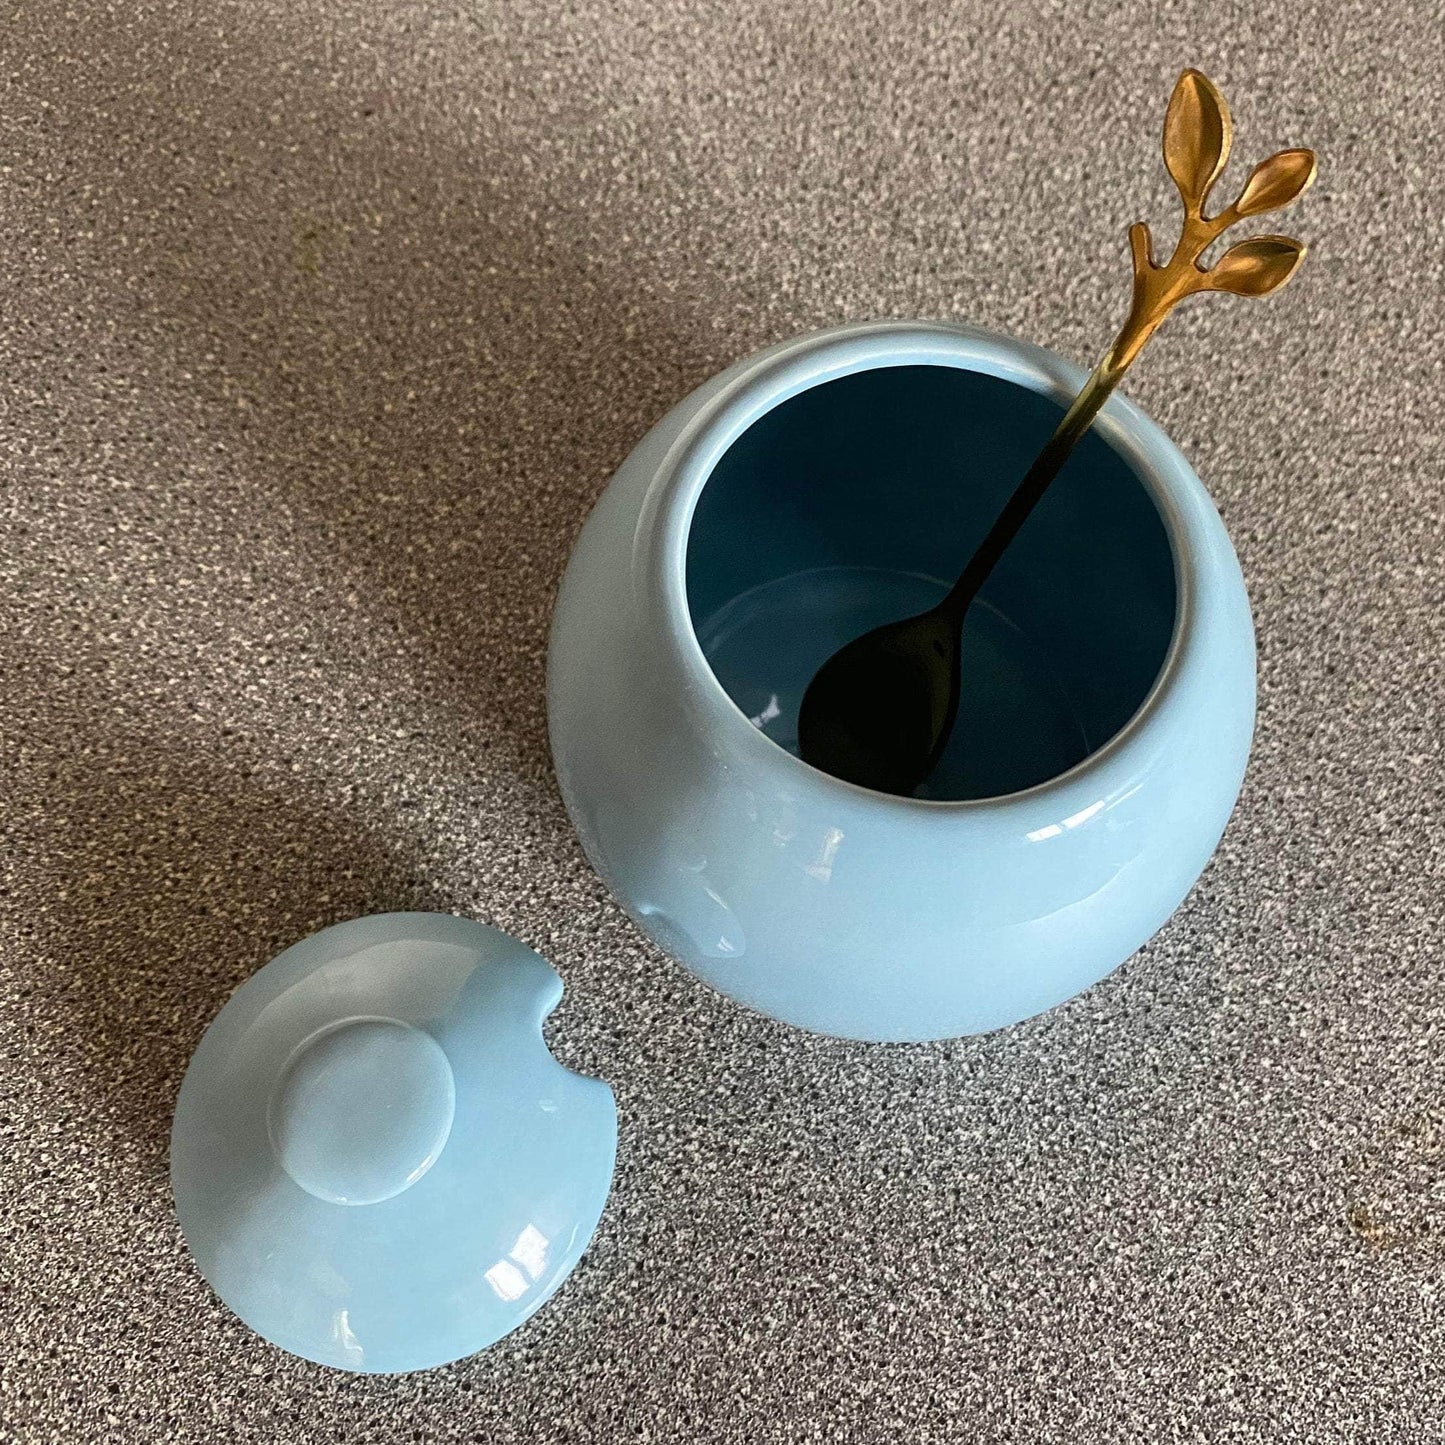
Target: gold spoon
{"points": [[880, 711]]}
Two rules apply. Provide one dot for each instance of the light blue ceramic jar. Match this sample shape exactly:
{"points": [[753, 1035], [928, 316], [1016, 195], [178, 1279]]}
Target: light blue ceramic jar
{"points": [[800, 498]]}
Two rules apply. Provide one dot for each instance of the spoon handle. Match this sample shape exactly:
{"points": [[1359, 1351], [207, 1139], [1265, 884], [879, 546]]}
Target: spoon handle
{"points": [[1025, 497], [1197, 132]]}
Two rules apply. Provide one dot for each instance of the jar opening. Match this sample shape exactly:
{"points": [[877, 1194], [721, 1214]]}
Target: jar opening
{"points": [[856, 501]]}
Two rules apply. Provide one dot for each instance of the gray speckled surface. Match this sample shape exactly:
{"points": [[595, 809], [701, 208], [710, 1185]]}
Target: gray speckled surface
{"points": [[323, 322]]}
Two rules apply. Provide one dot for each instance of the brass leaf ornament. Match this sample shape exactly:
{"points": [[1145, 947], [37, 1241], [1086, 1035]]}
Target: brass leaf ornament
{"points": [[1256, 267], [1198, 133], [1276, 182]]}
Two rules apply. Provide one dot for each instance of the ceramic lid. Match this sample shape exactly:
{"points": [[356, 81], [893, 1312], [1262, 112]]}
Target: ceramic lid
{"points": [[377, 1163]]}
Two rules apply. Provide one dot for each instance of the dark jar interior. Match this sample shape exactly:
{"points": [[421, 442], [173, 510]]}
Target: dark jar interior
{"points": [[858, 501]]}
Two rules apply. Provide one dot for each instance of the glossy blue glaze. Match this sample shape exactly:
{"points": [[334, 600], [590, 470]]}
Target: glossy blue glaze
{"points": [[805, 494], [377, 1163]]}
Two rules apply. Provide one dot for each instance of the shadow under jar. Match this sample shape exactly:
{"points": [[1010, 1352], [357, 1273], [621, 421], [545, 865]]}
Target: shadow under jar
{"points": [[805, 496]]}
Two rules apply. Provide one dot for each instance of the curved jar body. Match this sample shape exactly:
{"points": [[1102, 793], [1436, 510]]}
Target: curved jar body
{"points": [[818, 489]]}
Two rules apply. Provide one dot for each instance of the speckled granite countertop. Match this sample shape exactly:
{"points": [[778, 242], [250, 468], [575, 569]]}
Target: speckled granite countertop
{"points": [[323, 323]]}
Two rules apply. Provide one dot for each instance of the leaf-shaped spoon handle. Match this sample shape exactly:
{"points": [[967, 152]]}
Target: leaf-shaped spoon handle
{"points": [[1197, 136]]}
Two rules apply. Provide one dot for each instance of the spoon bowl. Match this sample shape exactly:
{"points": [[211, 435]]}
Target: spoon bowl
{"points": [[880, 711]]}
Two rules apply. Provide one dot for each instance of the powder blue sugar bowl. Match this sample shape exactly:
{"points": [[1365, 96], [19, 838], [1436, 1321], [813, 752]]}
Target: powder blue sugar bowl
{"points": [[817, 490]]}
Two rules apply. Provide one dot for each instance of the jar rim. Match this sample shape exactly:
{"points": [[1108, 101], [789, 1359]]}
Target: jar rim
{"points": [[764, 381]]}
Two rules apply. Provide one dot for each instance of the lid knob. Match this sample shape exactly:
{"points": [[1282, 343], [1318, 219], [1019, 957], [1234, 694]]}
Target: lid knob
{"points": [[362, 1110]]}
